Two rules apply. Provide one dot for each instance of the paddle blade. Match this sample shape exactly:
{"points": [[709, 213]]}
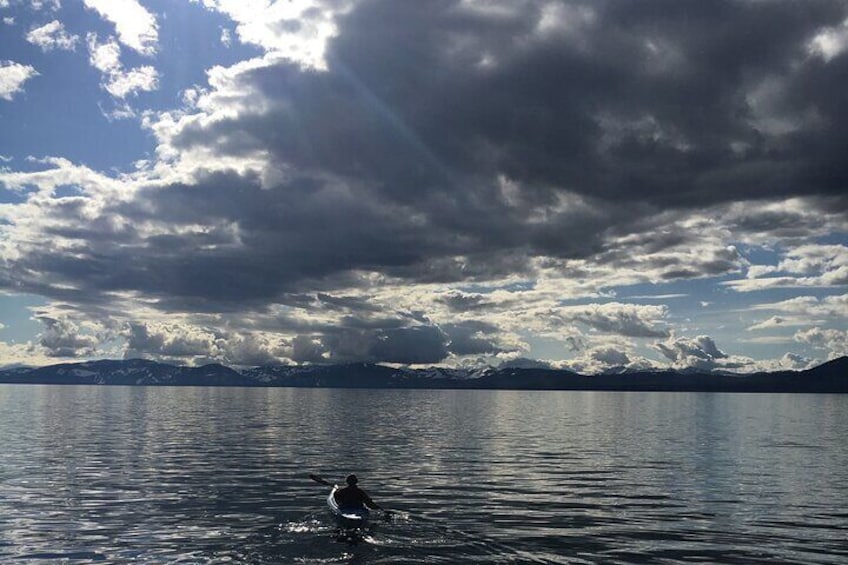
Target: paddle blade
{"points": [[319, 480]]}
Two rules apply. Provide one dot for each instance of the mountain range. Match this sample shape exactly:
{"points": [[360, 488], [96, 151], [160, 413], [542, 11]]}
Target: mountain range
{"points": [[830, 377]]}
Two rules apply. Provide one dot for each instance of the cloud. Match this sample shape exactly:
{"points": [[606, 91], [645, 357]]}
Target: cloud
{"points": [[460, 301], [52, 36], [771, 323], [64, 338], [296, 30], [449, 128], [524, 363], [622, 319], [830, 42], [52, 5], [185, 342], [170, 341], [106, 56], [415, 345], [700, 353], [226, 37], [610, 356], [12, 77], [474, 338], [815, 259], [308, 349], [140, 79], [410, 345], [793, 361], [117, 81], [421, 183], [795, 221], [254, 350], [657, 296], [702, 347], [810, 308], [135, 26], [556, 70], [604, 358], [23, 355], [811, 265], [833, 340]]}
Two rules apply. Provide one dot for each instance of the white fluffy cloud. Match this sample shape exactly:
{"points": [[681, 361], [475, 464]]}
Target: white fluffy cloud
{"points": [[810, 265], [135, 26], [12, 78], [140, 79], [64, 338], [51, 36], [297, 30], [117, 81], [104, 56], [701, 353], [833, 340], [809, 308]]}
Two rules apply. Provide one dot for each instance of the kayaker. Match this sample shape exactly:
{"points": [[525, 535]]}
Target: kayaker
{"points": [[352, 496]]}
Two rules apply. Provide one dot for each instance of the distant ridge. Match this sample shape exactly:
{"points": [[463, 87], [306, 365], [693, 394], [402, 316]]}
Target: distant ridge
{"points": [[834, 367], [830, 377]]}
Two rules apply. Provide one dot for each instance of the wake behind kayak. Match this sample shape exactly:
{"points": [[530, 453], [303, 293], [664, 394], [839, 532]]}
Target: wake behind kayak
{"points": [[348, 508]]}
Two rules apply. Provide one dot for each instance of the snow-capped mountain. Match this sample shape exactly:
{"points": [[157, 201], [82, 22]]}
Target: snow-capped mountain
{"points": [[829, 377]]}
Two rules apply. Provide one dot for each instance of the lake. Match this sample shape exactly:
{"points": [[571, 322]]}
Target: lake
{"points": [[220, 475]]}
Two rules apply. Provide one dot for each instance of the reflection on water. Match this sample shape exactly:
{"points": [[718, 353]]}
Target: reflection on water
{"points": [[214, 475]]}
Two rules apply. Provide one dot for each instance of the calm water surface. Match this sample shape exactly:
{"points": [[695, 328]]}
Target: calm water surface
{"points": [[213, 475]]}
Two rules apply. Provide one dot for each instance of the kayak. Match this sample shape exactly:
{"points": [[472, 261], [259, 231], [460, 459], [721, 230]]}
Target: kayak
{"points": [[347, 518]]}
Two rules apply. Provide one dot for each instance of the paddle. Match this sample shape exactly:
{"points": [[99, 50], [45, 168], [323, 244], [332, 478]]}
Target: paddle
{"points": [[320, 481], [387, 514]]}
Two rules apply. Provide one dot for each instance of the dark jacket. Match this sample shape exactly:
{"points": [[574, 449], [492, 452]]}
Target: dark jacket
{"points": [[352, 496]]}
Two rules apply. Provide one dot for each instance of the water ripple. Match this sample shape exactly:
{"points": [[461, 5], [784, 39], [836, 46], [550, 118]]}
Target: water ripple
{"points": [[209, 476]]}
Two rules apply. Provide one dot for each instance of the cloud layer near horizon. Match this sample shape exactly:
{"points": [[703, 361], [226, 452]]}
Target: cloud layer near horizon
{"points": [[424, 182]]}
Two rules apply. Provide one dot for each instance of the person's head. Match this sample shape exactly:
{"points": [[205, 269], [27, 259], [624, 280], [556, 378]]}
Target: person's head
{"points": [[351, 480]]}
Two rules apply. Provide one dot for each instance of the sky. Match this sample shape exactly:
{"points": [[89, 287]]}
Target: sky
{"points": [[585, 185]]}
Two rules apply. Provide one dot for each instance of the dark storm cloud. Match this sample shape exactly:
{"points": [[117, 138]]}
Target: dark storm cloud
{"points": [[395, 340], [422, 344], [224, 240], [410, 345], [141, 338], [473, 338], [428, 110], [308, 349], [640, 101]]}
